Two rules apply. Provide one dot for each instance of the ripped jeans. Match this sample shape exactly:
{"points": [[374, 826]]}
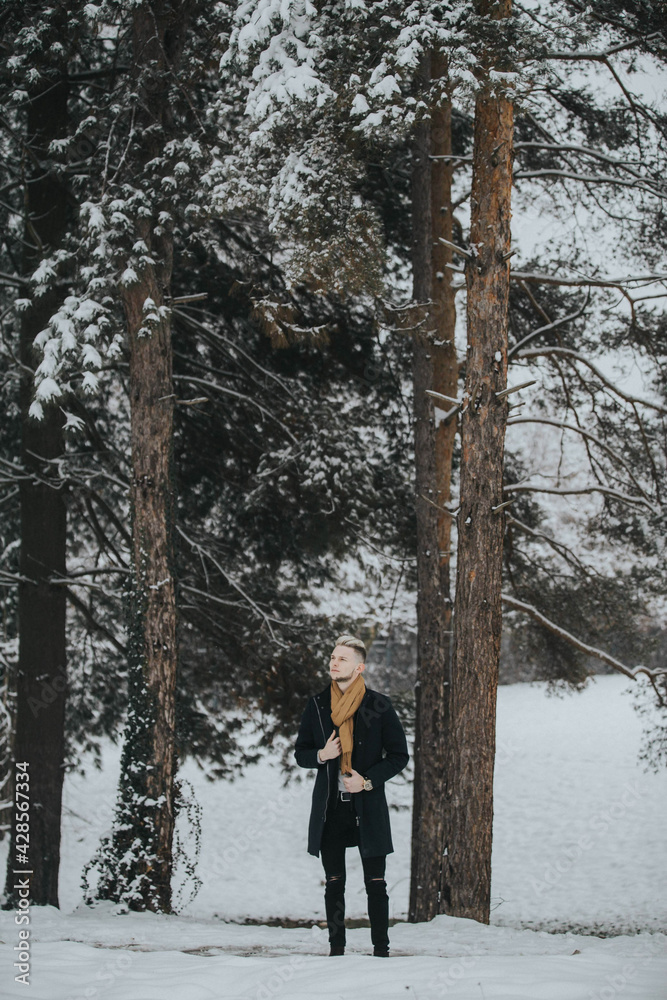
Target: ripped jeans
{"points": [[341, 831]]}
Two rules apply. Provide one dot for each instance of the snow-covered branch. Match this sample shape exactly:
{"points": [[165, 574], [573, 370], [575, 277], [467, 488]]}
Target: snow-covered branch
{"points": [[570, 355], [637, 185], [583, 647], [596, 154], [626, 279], [577, 491], [604, 54]]}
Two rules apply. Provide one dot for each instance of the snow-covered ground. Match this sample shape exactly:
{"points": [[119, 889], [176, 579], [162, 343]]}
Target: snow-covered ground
{"points": [[579, 851]]}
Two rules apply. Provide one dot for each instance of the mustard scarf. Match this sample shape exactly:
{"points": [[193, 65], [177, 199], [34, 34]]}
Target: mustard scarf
{"points": [[343, 707]]}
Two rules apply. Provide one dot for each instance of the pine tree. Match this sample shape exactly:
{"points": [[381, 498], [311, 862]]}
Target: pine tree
{"points": [[477, 609], [41, 675], [368, 101], [140, 852], [279, 481], [432, 343]]}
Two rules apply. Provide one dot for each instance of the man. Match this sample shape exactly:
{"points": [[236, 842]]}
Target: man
{"points": [[353, 737]]}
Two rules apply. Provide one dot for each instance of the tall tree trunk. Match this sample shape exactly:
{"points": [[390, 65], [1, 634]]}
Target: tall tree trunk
{"points": [[477, 616], [432, 648], [41, 684], [446, 379], [139, 863], [152, 419], [157, 42]]}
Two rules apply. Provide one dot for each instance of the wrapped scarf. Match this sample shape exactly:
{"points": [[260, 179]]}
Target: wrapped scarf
{"points": [[343, 707]]}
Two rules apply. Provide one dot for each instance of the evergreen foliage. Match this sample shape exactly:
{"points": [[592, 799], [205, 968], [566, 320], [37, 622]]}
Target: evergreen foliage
{"points": [[284, 178]]}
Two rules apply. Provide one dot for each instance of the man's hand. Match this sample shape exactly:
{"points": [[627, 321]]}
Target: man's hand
{"points": [[331, 748], [353, 781]]}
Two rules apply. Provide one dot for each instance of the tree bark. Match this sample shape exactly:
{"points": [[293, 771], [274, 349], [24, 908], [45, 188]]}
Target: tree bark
{"points": [[158, 33], [431, 318], [41, 684], [446, 381], [152, 410], [477, 616]]}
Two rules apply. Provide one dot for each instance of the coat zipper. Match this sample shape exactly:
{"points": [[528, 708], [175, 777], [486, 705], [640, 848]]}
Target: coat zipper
{"points": [[357, 814], [326, 804]]}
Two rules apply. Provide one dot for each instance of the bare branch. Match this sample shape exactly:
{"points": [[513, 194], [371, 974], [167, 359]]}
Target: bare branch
{"points": [[586, 434], [637, 185], [93, 622], [563, 551], [536, 305], [583, 647], [577, 491], [440, 395], [596, 154], [213, 335], [371, 545], [570, 355], [584, 56], [95, 571], [550, 279], [13, 279], [457, 249], [452, 513], [216, 387], [514, 388], [210, 597], [182, 300], [549, 326], [649, 453], [267, 619]]}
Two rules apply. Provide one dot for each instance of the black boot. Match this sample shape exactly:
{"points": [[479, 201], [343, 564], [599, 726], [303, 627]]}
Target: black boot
{"points": [[378, 914], [334, 902]]}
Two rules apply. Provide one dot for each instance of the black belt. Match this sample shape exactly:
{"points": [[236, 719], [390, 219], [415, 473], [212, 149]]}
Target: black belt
{"points": [[345, 796]]}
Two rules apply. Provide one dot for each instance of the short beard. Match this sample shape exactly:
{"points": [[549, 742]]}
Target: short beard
{"points": [[344, 679]]}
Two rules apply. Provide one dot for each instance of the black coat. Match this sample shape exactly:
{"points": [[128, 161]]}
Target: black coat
{"points": [[380, 751]]}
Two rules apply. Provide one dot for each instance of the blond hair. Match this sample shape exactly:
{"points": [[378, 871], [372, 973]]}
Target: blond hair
{"points": [[356, 644]]}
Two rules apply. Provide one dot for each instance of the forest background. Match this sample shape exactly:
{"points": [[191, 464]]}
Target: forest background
{"points": [[263, 320]]}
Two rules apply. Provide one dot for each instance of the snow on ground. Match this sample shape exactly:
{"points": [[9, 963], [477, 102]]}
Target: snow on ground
{"points": [[147, 957], [579, 846]]}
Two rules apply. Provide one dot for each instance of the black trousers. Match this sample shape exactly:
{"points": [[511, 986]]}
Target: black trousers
{"points": [[341, 831]]}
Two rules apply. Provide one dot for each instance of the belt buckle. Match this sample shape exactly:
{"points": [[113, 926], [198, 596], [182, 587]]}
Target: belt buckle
{"points": [[345, 796]]}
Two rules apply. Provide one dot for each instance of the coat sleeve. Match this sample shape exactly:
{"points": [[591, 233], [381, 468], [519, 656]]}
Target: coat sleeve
{"points": [[307, 744], [394, 745]]}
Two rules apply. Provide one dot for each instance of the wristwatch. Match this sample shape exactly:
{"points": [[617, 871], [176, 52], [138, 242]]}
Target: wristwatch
{"points": [[368, 785]]}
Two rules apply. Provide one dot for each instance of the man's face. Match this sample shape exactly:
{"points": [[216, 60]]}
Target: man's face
{"points": [[343, 663]]}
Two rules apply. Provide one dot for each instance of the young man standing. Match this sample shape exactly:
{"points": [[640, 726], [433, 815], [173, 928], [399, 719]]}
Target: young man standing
{"points": [[354, 738]]}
